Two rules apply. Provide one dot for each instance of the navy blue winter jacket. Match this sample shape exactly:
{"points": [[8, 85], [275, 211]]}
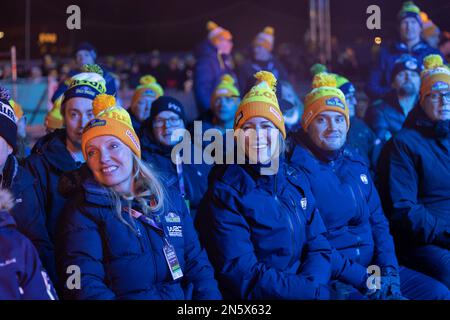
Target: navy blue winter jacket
{"points": [[351, 210], [264, 234], [27, 212], [419, 181], [22, 276], [122, 262]]}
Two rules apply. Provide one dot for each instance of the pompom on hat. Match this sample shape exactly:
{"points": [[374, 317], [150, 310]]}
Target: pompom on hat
{"points": [[266, 38], [435, 76], [217, 33], [110, 120], [87, 84], [148, 87], [325, 96], [226, 88], [54, 118], [261, 101]]}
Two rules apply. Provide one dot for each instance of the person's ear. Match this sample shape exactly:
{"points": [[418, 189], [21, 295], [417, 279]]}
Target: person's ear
{"points": [[9, 150]]}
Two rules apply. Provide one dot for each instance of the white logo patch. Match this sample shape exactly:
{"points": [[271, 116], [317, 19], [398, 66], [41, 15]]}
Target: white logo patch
{"points": [[364, 179], [175, 231], [304, 203]]}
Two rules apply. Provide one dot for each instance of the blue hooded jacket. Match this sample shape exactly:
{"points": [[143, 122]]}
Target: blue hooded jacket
{"points": [[127, 263], [264, 234], [351, 210]]}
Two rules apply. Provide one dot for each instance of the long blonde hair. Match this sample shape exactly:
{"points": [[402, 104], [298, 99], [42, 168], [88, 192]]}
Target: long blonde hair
{"points": [[147, 185]]}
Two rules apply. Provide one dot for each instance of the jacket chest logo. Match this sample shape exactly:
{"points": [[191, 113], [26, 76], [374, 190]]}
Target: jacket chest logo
{"points": [[172, 217], [364, 179], [304, 203]]}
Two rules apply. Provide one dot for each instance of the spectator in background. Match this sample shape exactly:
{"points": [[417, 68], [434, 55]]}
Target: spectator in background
{"points": [[86, 54], [444, 45], [168, 115], [430, 32], [262, 58], [174, 75], [213, 57], [386, 116], [224, 103], [144, 95], [410, 42], [290, 105], [155, 67], [134, 75]]}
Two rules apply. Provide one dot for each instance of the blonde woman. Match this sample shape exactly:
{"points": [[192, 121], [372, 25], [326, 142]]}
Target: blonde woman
{"points": [[130, 238]]}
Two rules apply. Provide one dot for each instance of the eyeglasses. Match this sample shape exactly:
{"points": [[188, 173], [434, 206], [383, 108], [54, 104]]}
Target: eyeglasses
{"points": [[440, 96], [170, 122]]}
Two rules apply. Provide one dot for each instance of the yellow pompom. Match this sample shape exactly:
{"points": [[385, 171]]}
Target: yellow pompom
{"points": [[324, 80], [424, 16], [228, 79], [211, 25], [269, 30], [433, 61], [267, 77], [95, 68], [102, 102], [146, 80]]}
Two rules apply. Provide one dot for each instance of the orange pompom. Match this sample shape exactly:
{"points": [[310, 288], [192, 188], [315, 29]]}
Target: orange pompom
{"points": [[102, 102]]}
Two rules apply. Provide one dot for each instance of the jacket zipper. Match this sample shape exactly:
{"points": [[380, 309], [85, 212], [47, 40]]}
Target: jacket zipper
{"points": [[291, 225]]}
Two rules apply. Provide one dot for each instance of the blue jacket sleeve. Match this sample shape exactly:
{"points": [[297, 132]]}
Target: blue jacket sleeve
{"points": [[199, 271], [204, 82], [376, 84], [227, 236], [408, 213], [34, 281], [317, 262], [30, 221], [79, 244], [384, 251]]}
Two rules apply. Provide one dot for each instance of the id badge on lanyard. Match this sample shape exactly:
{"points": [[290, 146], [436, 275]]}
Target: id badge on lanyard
{"points": [[168, 249], [181, 181]]}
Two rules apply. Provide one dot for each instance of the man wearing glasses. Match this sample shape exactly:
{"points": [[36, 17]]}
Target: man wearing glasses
{"points": [[158, 138], [419, 177]]}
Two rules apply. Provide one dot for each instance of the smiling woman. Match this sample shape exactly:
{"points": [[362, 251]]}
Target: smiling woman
{"points": [[124, 204]]}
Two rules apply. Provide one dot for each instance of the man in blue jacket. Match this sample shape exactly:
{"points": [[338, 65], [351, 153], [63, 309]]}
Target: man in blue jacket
{"points": [[386, 116], [418, 172], [410, 23], [349, 204], [60, 151]]}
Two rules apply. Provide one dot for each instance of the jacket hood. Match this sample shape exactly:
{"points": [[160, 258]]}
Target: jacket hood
{"points": [[53, 148]]}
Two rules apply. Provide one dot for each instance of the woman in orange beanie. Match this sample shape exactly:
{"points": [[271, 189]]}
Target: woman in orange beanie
{"points": [[127, 230], [260, 224]]}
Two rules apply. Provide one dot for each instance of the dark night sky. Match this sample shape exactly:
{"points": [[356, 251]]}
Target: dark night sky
{"points": [[139, 26]]}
